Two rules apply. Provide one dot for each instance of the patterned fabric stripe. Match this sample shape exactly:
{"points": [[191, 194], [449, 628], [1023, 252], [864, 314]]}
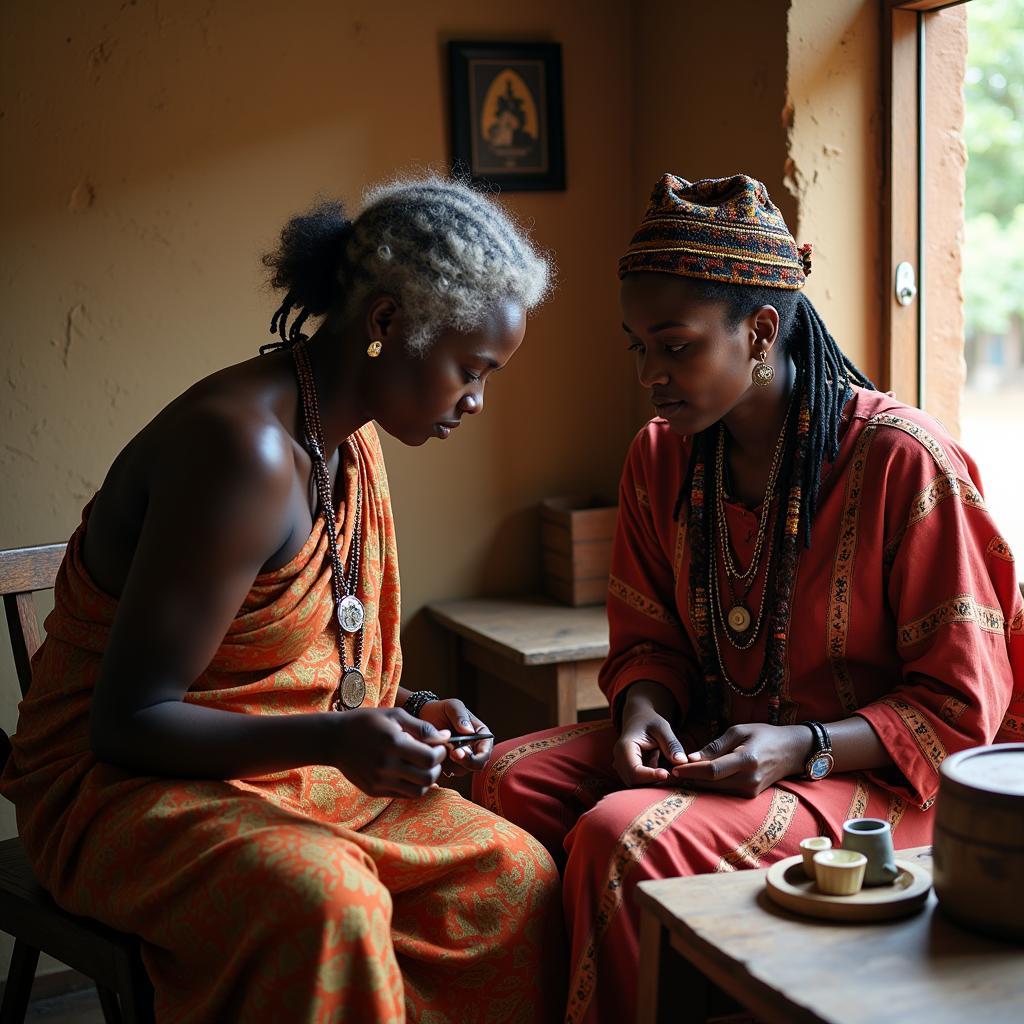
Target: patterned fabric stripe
{"points": [[496, 770], [715, 251], [920, 434], [771, 832], [951, 710], [630, 848], [859, 800], [640, 602], [999, 548], [740, 228], [926, 500], [895, 811], [921, 729], [962, 608], [838, 610], [677, 559], [1011, 728]]}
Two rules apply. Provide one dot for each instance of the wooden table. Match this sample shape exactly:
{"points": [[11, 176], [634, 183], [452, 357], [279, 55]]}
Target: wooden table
{"points": [[551, 652], [720, 931]]}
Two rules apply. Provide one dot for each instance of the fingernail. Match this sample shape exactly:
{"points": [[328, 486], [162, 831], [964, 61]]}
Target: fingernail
{"points": [[695, 757], [678, 756], [464, 722]]}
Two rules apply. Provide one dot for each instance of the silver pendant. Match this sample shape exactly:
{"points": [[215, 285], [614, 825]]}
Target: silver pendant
{"points": [[352, 691], [739, 619], [351, 614]]}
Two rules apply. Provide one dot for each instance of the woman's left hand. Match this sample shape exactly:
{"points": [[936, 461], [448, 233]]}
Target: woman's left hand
{"points": [[747, 759], [454, 715]]}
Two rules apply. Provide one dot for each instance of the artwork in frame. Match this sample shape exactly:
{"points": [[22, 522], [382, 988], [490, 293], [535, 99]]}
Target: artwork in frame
{"points": [[507, 114]]}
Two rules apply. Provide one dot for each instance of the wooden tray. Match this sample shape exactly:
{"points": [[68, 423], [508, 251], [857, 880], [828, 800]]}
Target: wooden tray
{"points": [[789, 887]]}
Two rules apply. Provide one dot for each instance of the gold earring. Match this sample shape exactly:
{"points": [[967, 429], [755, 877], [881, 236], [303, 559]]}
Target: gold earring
{"points": [[763, 373], [373, 349]]}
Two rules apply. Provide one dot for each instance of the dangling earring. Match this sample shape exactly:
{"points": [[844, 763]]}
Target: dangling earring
{"points": [[764, 373], [373, 349]]}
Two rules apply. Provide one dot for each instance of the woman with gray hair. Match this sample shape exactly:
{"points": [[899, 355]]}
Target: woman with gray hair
{"points": [[216, 753]]}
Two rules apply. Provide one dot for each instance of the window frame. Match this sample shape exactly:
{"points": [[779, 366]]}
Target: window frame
{"points": [[904, 217]]}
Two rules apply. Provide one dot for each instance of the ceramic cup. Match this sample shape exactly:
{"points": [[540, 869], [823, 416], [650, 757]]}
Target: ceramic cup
{"points": [[839, 872], [809, 847], [873, 838]]}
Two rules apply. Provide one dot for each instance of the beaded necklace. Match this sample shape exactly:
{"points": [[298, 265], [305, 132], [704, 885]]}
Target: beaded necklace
{"points": [[778, 588], [349, 611], [736, 622]]}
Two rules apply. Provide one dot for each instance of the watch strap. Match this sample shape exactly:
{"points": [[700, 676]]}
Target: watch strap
{"points": [[819, 761]]}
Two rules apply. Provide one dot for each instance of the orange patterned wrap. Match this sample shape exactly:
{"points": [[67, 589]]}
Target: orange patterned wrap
{"points": [[289, 897]]}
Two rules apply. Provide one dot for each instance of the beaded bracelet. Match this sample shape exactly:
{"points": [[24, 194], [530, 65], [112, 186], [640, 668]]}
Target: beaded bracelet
{"points": [[415, 701]]}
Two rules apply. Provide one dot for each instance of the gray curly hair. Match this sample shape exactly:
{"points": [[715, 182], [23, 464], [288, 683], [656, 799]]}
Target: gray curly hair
{"points": [[445, 251]]}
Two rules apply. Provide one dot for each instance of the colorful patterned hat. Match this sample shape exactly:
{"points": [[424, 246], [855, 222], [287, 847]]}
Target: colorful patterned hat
{"points": [[719, 229]]}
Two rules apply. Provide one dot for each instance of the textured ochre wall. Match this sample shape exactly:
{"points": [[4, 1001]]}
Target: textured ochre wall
{"points": [[834, 120]]}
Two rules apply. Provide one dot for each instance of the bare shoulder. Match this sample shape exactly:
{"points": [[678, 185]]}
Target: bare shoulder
{"points": [[218, 459]]}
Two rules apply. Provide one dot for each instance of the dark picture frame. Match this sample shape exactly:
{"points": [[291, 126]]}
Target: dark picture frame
{"points": [[507, 118]]}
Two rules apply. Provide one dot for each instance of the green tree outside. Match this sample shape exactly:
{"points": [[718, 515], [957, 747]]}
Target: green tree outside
{"points": [[993, 275]]}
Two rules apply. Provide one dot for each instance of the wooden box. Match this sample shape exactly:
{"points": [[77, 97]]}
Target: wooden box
{"points": [[576, 541]]}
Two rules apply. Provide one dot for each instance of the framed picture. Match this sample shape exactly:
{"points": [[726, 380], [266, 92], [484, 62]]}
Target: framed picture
{"points": [[507, 114]]}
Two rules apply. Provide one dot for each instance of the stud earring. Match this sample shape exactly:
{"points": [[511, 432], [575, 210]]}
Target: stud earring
{"points": [[373, 349], [763, 373]]}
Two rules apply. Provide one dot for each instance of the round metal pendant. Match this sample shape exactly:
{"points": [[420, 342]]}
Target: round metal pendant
{"points": [[352, 691], [763, 375], [351, 614], [739, 619]]}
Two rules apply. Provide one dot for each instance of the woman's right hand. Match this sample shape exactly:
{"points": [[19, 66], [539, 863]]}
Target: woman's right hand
{"points": [[646, 735], [387, 752]]}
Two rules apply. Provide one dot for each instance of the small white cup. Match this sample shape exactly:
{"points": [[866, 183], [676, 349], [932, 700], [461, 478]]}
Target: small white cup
{"points": [[839, 872], [809, 847]]}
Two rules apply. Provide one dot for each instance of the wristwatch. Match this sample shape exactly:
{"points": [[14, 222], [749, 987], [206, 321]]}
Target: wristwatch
{"points": [[819, 762]]}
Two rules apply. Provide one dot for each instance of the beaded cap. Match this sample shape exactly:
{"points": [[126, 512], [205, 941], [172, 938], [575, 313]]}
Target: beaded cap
{"points": [[719, 229]]}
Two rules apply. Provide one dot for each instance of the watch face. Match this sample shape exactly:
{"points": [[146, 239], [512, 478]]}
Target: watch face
{"points": [[820, 766]]}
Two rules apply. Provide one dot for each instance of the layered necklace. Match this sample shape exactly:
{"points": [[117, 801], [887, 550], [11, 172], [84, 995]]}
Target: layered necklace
{"points": [[349, 611], [735, 623], [776, 541]]}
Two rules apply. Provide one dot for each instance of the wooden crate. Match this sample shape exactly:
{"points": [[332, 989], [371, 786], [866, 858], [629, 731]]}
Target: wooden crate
{"points": [[576, 541]]}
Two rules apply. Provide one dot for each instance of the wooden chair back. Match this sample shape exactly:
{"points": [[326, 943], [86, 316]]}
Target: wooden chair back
{"points": [[112, 959], [23, 571]]}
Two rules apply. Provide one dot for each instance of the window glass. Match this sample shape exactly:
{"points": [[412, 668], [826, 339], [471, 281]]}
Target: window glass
{"points": [[992, 408]]}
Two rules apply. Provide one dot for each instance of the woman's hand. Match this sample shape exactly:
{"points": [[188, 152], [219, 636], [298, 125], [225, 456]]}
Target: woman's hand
{"points": [[747, 759], [387, 752], [453, 715], [646, 735]]}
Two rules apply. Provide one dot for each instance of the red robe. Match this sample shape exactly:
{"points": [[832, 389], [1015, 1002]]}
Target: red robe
{"points": [[906, 611]]}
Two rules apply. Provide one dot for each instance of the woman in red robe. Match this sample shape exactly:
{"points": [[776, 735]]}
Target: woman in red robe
{"points": [[216, 753], [793, 548]]}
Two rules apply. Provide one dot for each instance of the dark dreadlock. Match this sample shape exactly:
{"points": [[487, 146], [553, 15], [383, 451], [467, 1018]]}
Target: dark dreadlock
{"points": [[305, 264]]}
